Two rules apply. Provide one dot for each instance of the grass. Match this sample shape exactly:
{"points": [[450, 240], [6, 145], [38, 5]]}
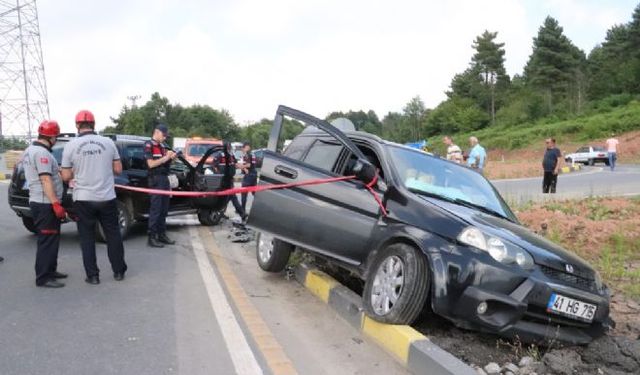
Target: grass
{"points": [[584, 128], [616, 261]]}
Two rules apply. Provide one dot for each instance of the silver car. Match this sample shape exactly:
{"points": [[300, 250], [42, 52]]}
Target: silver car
{"points": [[588, 155]]}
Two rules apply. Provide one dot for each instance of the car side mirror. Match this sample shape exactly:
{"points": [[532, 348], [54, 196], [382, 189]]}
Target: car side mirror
{"points": [[364, 171]]}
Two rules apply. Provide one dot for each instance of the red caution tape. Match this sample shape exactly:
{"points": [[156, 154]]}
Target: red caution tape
{"points": [[253, 189]]}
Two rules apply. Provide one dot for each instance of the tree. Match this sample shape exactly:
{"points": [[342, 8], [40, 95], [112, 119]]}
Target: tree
{"points": [[555, 63], [363, 121], [416, 115], [195, 120], [488, 61]]}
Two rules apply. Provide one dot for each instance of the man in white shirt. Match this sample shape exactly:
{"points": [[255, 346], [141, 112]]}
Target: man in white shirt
{"points": [[612, 148], [454, 153]]}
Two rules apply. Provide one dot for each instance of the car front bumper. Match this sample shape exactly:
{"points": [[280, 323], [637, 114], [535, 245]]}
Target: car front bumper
{"points": [[516, 301]]}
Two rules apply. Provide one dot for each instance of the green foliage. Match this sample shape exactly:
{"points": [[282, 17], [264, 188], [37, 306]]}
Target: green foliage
{"points": [[11, 143], [195, 120], [258, 133], [364, 121], [457, 115]]}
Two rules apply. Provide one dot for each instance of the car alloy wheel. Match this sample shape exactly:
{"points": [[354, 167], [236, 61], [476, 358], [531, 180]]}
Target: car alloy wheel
{"points": [[387, 285], [265, 247]]}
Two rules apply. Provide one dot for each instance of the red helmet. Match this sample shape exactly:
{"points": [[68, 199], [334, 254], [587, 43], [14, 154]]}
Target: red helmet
{"points": [[49, 128], [85, 116]]}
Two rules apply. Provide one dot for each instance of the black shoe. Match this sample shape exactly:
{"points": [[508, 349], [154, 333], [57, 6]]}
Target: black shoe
{"points": [[118, 276], [154, 241], [59, 275], [1, 259], [51, 284], [165, 239], [93, 280]]}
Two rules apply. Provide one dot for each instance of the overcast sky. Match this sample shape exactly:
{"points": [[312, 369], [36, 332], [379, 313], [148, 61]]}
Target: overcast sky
{"points": [[248, 56]]}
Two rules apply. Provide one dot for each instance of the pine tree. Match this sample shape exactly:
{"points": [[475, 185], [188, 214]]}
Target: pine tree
{"points": [[555, 65], [489, 62]]}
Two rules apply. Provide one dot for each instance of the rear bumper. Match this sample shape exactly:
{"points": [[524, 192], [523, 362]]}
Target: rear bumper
{"points": [[516, 302]]}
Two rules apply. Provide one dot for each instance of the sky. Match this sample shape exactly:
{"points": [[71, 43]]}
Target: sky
{"points": [[319, 56]]}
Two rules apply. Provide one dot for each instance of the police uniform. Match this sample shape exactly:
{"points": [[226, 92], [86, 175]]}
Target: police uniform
{"points": [[158, 179], [228, 167], [91, 157], [250, 176], [38, 161]]}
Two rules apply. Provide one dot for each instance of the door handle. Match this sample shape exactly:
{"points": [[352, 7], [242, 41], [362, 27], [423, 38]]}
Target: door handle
{"points": [[285, 172]]}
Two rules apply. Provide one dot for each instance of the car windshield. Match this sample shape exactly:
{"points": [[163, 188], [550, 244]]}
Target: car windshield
{"points": [[427, 175], [198, 149]]}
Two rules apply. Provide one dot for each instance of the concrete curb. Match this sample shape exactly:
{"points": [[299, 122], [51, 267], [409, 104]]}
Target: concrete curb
{"points": [[413, 349], [572, 168], [5, 176]]}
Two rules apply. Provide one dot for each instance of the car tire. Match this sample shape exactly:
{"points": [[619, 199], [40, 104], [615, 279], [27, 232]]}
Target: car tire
{"points": [[210, 217], [410, 292], [591, 162], [606, 162], [125, 221], [272, 254], [29, 224]]}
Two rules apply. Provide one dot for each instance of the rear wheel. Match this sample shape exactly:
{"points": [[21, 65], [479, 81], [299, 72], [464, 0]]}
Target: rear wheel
{"points": [[125, 221], [272, 254], [397, 287], [209, 217], [606, 162], [29, 224], [591, 162]]}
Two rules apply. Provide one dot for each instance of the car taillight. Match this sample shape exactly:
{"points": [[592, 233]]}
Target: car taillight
{"points": [[601, 155]]}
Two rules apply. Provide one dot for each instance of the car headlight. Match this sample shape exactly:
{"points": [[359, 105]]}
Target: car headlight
{"points": [[502, 251]]}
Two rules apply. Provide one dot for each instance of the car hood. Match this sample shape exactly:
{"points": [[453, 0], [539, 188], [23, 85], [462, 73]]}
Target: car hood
{"points": [[543, 251]]}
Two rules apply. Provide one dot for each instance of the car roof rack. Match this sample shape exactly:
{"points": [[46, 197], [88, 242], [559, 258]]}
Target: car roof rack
{"points": [[127, 137]]}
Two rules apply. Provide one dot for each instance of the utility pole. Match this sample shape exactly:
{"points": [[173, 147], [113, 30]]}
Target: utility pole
{"points": [[23, 88], [133, 99]]}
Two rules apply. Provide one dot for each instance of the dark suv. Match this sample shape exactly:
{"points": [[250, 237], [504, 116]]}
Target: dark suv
{"points": [[448, 241], [133, 206]]}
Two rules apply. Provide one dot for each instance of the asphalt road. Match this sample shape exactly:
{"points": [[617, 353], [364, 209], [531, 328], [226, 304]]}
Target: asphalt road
{"points": [[202, 306], [592, 181]]}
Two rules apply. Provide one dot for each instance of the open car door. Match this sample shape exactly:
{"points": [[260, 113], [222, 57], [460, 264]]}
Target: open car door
{"points": [[201, 178], [310, 216]]}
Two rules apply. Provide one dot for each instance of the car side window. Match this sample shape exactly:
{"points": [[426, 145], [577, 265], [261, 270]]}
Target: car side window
{"points": [[298, 147], [323, 154], [135, 157], [583, 149]]}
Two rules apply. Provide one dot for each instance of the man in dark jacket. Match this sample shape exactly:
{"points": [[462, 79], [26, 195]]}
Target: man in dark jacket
{"points": [[551, 166]]}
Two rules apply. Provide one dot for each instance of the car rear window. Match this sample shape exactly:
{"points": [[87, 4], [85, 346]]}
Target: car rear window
{"points": [[598, 149], [134, 156], [323, 154]]}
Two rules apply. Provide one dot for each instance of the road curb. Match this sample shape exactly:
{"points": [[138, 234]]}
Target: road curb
{"points": [[413, 349], [572, 168]]}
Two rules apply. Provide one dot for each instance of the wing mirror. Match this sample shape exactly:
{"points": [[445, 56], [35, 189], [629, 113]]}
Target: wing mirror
{"points": [[364, 171]]}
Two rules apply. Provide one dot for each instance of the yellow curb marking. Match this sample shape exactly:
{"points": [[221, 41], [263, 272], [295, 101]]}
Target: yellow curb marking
{"points": [[319, 284], [394, 338], [276, 358]]}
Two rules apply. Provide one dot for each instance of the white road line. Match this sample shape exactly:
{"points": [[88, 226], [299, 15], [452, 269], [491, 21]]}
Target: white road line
{"points": [[241, 355]]}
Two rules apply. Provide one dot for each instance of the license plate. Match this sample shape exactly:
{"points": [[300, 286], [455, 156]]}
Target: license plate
{"points": [[570, 307]]}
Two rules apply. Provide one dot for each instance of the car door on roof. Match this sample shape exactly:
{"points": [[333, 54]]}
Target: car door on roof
{"points": [[323, 218]]}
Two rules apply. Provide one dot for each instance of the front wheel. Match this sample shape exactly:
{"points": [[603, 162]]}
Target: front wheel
{"points": [[125, 221], [272, 254], [397, 287], [29, 224], [209, 217]]}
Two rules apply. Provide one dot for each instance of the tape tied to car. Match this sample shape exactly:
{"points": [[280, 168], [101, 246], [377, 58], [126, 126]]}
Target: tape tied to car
{"points": [[255, 189]]}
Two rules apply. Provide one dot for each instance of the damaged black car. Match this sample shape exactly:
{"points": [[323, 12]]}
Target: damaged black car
{"points": [[443, 239]]}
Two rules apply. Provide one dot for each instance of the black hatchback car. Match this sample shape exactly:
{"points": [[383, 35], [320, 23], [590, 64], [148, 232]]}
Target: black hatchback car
{"points": [[448, 241], [133, 206]]}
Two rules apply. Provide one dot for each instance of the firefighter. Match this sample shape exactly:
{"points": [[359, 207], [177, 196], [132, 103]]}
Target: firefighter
{"points": [[159, 162], [249, 172], [228, 167], [92, 161], [42, 175]]}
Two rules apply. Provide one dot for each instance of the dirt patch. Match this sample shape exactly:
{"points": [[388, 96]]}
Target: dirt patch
{"points": [[526, 162]]}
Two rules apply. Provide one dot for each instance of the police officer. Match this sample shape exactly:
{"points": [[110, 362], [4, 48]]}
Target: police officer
{"points": [[92, 160], [42, 174], [249, 171], [225, 166], [159, 163]]}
